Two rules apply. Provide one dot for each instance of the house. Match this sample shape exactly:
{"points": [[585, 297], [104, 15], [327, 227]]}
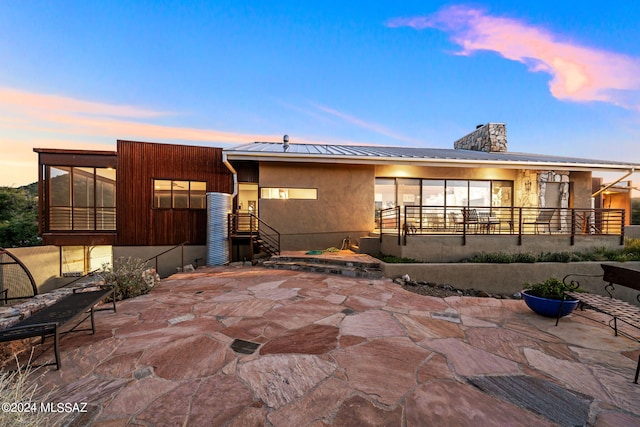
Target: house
{"points": [[420, 202], [146, 198], [142, 199]]}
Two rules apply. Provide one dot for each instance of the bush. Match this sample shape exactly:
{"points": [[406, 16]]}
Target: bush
{"points": [[391, 259], [127, 275], [551, 288], [18, 387]]}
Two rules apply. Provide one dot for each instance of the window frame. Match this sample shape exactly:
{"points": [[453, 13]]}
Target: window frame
{"points": [[173, 195]]}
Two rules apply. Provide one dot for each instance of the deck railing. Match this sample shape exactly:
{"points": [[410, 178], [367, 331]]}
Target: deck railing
{"points": [[410, 220]]}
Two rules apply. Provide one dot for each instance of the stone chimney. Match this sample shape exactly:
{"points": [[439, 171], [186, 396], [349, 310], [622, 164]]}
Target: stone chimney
{"points": [[491, 138]]}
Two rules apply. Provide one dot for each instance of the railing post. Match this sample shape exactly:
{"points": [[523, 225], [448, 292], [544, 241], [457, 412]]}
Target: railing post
{"points": [[622, 225], [520, 226], [380, 224], [398, 221], [573, 226]]}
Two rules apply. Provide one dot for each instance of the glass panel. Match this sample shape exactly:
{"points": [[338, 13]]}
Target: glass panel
{"points": [[106, 188], [303, 193], [457, 193], [83, 187], [479, 193], [502, 193], [60, 186], [105, 218], [289, 193], [433, 192], [180, 194], [247, 197], [162, 194], [83, 218], [409, 192], [198, 195], [385, 193]]}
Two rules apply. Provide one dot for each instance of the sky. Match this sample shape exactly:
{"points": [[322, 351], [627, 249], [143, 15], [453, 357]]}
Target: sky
{"points": [[564, 76]]}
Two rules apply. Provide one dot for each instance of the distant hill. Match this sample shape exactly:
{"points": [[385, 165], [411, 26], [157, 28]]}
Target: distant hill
{"points": [[32, 188]]}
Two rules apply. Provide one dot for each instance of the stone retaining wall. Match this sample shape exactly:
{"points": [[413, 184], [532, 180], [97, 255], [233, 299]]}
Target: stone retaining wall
{"points": [[507, 278]]}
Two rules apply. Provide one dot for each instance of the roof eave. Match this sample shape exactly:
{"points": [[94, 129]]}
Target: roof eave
{"points": [[502, 164]]}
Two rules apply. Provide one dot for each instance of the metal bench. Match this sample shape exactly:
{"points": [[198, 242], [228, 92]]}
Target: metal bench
{"points": [[62, 317], [620, 311]]}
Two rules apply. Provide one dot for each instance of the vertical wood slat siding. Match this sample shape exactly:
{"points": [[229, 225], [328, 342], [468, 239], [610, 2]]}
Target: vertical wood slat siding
{"points": [[139, 163]]}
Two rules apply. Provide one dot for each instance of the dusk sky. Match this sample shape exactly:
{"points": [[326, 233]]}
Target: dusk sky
{"points": [[564, 76]]}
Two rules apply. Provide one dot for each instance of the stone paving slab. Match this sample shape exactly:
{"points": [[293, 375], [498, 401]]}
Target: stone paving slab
{"points": [[336, 351]]}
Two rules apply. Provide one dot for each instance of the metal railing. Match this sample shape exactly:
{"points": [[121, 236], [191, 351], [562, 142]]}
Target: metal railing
{"points": [[155, 257], [409, 220], [251, 226]]}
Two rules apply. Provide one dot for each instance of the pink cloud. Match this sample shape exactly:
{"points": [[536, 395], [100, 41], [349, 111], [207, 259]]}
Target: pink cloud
{"points": [[45, 113], [579, 73]]}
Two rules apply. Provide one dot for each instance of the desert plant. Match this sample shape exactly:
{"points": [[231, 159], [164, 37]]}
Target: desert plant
{"points": [[127, 275], [551, 288], [18, 389]]}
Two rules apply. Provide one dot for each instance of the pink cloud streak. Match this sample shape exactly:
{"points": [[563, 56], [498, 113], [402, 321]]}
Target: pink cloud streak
{"points": [[38, 113], [579, 73]]}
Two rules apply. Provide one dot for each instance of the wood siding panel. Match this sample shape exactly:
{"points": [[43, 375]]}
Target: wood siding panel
{"points": [[139, 163]]}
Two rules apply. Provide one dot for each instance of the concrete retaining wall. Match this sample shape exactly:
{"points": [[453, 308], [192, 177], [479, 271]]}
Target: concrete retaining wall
{"points": [[632, 231], [506, 278], [167, 263]]}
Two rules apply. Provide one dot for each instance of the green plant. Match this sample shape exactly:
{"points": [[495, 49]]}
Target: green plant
{"points": [[551, 288], [391, 259], [127, 275]]}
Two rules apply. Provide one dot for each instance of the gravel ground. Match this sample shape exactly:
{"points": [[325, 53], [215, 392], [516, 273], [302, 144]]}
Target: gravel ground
{"points": [[443, 291]]}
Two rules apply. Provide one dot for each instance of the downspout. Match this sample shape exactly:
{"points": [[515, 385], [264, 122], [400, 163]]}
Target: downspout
{"points": [[233, 171]]}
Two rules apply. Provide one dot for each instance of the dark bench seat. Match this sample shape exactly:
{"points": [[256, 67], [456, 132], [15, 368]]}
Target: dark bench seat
{"points": [[64, 316], [620, 311]]}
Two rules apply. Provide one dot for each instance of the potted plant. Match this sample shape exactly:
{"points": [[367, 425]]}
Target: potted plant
{"points": [[548, 298]]}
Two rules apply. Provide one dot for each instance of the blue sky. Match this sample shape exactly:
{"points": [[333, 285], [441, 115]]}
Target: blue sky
{"points": [[564, 77]]}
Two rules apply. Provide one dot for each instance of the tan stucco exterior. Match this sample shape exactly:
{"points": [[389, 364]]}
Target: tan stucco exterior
{"points": [[344, 208], [345, 204]]}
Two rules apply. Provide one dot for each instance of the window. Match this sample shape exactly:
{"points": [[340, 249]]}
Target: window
{"points": [[81, 198], [392, 192], [174, 194], [289, 193]]}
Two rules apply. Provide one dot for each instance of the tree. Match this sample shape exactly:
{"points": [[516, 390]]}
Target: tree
{"points": [[19, 217]]}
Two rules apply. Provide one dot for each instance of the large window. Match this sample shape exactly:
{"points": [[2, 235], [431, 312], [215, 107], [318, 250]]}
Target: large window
{"points": [[81, 198], [173, 194], [392, 192]]}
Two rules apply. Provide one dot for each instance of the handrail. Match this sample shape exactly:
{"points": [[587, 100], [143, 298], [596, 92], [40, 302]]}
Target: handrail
{"points": [[181, 245], [250, 223]]}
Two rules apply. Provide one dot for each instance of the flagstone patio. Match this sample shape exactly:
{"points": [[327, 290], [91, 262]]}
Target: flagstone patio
{"points": [[338, 351]]}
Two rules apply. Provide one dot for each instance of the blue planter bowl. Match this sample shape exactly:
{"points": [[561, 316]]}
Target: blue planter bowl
{"points": [[549, 307]]}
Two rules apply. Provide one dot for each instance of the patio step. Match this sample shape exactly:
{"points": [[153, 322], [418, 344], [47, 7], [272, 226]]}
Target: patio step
{"points": [[358, 269]]}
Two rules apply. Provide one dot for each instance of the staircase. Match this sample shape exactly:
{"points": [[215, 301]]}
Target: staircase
{"points": [[260, 236], [363, 267]]}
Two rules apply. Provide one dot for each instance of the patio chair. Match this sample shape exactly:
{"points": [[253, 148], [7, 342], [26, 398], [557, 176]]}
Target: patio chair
{"points": [[544, 219], [456, 219], [471, 217]]}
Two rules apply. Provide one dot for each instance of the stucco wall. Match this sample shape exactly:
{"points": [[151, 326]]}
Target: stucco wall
{"points": [[345, 204], [507, 278], [445, 248], [392, 171], [44, 264]]}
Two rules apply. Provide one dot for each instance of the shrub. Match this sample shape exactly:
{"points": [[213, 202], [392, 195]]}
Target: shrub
{"points": [[127, 275], [18, 387], [551, 288], [391, 259]]}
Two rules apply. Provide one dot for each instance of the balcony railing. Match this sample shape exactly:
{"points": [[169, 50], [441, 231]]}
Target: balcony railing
{"points": [[410, 220]]}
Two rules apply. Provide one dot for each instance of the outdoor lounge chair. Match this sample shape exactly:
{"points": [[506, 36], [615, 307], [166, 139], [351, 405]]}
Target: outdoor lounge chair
{"points": [[544, 219]]}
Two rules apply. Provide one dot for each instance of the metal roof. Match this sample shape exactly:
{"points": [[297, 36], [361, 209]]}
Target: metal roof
{"points": [[369, 154]]}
